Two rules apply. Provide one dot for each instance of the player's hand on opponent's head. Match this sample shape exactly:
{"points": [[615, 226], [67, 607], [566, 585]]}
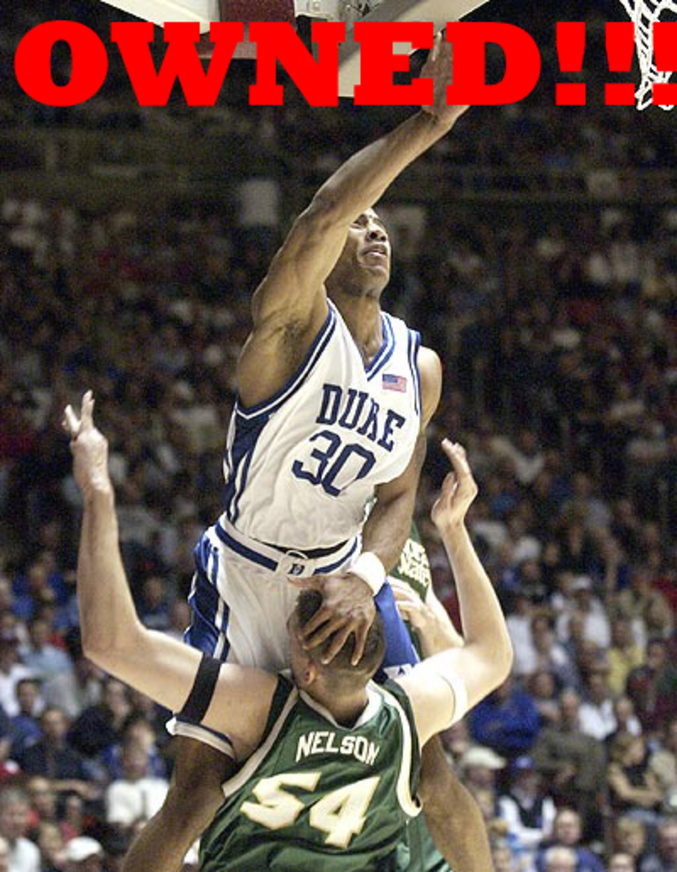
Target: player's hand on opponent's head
{"points": [[347, 607], [438, 67], [458, 490], [89, 447]]}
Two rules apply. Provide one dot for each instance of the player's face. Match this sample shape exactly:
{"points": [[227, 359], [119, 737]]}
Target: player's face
{"points": [[365, 259]]}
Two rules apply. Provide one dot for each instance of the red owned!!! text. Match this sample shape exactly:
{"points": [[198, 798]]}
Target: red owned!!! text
{"points": [[317, 80]]}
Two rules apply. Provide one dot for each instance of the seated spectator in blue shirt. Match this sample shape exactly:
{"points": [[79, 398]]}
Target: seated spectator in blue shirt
{"points": [[137, 730], [25, 726], [77, 689], [52, 757], [35, 587], [507, 720], [41, 657], [101, 725]]}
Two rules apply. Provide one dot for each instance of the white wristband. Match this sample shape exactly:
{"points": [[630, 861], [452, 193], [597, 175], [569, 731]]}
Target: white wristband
{"points": [[370, 569]]}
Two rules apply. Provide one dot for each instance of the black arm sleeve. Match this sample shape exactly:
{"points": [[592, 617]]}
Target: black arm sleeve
{"points": [[202, 691]]}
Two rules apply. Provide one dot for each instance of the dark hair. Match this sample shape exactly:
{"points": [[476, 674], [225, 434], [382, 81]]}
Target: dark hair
{"points": [[308, 602]]}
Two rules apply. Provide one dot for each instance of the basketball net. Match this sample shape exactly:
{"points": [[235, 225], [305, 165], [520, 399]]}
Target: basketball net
{"points": [[645, 13]]}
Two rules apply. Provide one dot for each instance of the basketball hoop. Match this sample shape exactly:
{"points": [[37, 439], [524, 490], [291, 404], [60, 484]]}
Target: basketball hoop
{"points": [[348, 11], [645, 13]]}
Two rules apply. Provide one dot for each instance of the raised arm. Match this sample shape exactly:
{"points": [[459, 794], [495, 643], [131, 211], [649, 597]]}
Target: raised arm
{"points": [[112, 635], [289, 306], [483, 662]]}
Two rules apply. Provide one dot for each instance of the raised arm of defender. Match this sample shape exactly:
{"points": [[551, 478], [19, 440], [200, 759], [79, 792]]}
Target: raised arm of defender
{"points": [[484, 660], [112, 635]]}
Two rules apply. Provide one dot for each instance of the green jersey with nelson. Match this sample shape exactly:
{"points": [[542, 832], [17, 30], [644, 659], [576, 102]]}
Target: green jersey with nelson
{"points": [[318, 795]]}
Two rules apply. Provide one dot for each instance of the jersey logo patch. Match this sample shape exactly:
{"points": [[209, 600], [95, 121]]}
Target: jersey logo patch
{"points": [[394, 383]]}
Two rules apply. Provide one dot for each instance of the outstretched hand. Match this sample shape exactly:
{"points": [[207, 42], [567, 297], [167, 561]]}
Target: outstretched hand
{"points": [[458, 490], [438, 67], [89, 448]]}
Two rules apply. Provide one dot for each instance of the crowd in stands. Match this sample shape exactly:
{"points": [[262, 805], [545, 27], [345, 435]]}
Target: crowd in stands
{"points": [[559, 343]]}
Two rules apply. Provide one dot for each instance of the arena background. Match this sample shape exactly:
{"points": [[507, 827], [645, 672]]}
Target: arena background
{"points": [[535, 248]]}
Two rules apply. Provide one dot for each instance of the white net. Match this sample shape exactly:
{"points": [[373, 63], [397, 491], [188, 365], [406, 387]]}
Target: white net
{"points": [[645, 13]]}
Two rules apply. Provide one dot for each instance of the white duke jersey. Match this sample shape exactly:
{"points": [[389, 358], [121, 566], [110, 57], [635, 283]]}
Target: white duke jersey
{"points": [[301, 467]]}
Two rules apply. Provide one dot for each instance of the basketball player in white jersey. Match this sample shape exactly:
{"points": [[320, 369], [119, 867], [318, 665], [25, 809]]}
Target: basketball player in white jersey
{"points": [[333, 399]]}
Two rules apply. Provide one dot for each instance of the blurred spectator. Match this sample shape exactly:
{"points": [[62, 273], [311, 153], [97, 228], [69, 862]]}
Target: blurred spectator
{"points": [[629, 837], [543, 651], [520, 613], [138, 731], [33, 589], [526, 807], [663, 764], [590, 611], [596, 714], [25, 725], [623, 656], [652, 687], [52, 847], [620, 862], [43, 658], [507, 721], [503, 857], [43, 801], [77, 688], [11, 673], [626, 719], [24, 856], [633, 787], [136, 796], [640, 601], [559, 859], [573, 762], [665, 857], [544, 691], [52, 757], [567, 833], [101, 725], [72, 815]]}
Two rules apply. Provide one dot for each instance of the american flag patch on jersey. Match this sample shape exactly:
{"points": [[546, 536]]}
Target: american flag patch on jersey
{"points": [[394, 383]]}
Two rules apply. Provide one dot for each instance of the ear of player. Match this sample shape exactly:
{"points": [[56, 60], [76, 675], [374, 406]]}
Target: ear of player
{"points": [[318, 80]]}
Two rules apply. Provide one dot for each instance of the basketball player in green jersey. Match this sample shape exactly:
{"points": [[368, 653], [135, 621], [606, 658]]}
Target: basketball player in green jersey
{"points": [[431, 631], [330, 760]]}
